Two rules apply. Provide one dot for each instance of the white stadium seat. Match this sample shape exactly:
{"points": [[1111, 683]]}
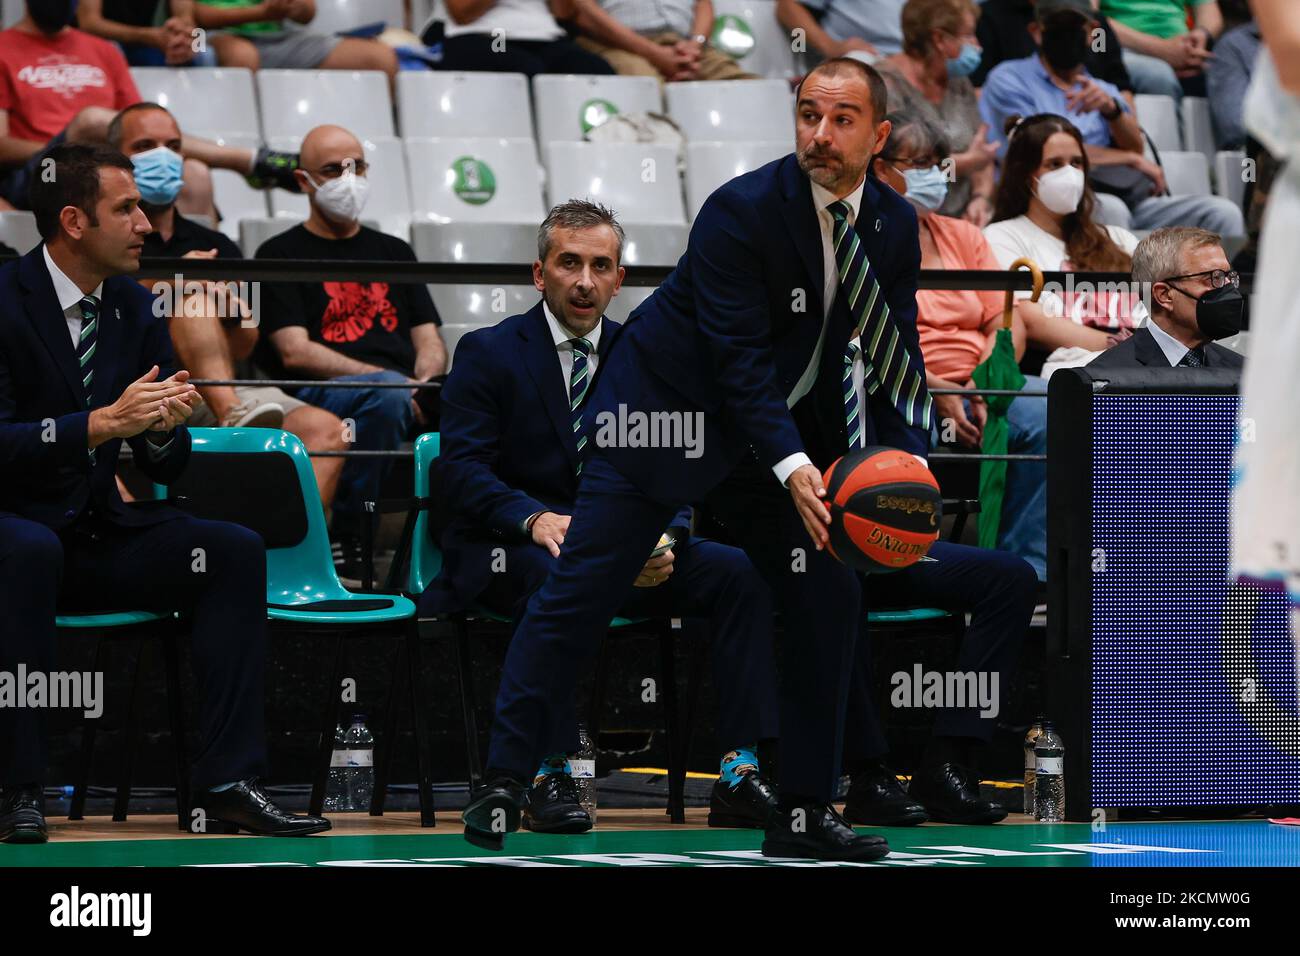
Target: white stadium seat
{"points": [[1229, 175], [709, 165], [1198, 125], [255, 230], [628, 298], [465, 307], [500, 242], [13, 11], [389, 203], [295, 101], [18, 230], [1159, 117], [766, 45], [1186, 173], [474, 180], [730, 110], [565, 107], [340, 16], [214, 98], [472, 105], [235, 199]]}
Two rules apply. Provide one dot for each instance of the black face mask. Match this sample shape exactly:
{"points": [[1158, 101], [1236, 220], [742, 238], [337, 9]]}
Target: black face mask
{"points": [[1220, 313], [1065, 46], [51, 16]]}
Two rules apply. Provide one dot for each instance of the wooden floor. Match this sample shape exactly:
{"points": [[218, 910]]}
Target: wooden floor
{"points": [[163, 827]]}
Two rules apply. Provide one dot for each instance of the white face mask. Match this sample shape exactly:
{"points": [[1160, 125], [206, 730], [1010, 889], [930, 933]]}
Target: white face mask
{"points": [[343, 197], [1061, 189]]}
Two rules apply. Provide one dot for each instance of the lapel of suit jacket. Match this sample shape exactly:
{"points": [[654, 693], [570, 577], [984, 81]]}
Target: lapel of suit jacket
{"points": [[42, 308], [1147, 351], [544, 368], [107, 346], [801, 220]]}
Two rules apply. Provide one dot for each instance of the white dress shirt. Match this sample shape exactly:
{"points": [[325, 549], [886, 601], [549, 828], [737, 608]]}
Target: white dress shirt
{"points": [[564, 344], [830, 287], [1175, 351], [70, 295]]}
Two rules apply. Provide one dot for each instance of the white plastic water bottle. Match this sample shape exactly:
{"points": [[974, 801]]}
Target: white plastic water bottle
{"points": [[1049, 776], [1031, 763], [582, 767], [355, 763], [335, 787]]}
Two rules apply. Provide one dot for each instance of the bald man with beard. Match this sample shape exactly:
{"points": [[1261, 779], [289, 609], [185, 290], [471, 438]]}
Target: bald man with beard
{"points": [[349, 331]]}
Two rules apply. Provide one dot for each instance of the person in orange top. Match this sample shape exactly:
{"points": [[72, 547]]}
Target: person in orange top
{"points": [[958, 329]]}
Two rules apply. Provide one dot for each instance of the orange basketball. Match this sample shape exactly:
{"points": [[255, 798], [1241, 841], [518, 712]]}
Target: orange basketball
{"points": [[885, 509]]}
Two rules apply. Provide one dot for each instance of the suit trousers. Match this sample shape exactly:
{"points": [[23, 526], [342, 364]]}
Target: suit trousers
{"points": [[614, 528], [213, 572], [712, 585]]}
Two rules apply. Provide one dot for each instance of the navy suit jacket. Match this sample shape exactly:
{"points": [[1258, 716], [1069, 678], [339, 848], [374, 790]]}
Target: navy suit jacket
{"points": [[1142, 349], [508, 449], [45, 470], [728, 334]]}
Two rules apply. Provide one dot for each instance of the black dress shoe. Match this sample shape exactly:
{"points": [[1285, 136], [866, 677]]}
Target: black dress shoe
{"points": [[877, 799], [494, 810], [951, 794], [245, 806], [816, 831], [22, 814], [748, 805], [551, 806]]}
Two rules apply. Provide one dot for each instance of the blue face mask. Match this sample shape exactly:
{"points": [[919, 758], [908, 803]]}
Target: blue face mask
{"points": [[926, 188], [158, 175], [966, 62]]}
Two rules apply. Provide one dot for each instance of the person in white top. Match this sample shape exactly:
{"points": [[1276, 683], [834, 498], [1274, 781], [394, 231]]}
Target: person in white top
{"points": [[511, 36], [1265, 507], [1044, 211]]}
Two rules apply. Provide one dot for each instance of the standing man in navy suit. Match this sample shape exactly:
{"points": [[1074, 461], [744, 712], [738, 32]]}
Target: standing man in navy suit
{"points": [[85, 364], [508, 475], [729, 385]]}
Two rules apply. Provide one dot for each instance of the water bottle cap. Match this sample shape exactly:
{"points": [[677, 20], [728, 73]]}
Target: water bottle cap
{"points": [[358, 719]]}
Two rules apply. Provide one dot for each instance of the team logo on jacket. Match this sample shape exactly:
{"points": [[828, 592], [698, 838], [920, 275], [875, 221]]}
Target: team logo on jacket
{"points": [[353, 310]]}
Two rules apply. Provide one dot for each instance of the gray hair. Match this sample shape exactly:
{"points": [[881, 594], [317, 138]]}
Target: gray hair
{"points": [[576, 214], [913, 132], [1160, 255]]}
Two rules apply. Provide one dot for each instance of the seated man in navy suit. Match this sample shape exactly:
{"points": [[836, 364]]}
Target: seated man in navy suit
{"points": [[512, 453], [85, 365]]}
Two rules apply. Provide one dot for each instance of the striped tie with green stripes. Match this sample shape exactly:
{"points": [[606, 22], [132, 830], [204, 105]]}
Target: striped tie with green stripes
{"points": [[579, 380], [886, 362], [86, 348]]}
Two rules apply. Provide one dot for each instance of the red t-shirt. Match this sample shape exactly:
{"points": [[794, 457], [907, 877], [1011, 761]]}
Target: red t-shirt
{"points": [[46, 81]]}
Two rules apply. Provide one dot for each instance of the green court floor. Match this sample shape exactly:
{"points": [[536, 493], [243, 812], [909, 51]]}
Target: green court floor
{"points": [[1237, 843]]}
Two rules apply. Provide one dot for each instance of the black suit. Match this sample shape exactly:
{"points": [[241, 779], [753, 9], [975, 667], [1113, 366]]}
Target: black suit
{"points": [[1142, 349], [69, 542]]}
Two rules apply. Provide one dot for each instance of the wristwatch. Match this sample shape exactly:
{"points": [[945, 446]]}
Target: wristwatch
{"points": [[1114, 101], [702, 39]]}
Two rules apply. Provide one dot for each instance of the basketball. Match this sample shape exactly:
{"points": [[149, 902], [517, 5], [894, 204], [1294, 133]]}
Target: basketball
{"points": [[885, 509]]}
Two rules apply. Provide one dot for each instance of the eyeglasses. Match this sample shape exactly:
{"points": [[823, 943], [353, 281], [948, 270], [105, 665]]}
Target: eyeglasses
{"points": [[924, 162], [1218, 278], [335, 170]]}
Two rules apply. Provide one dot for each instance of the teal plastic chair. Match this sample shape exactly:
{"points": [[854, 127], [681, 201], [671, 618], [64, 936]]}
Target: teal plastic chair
{"points": [[424, 565], [303, 591], [122, 626]]}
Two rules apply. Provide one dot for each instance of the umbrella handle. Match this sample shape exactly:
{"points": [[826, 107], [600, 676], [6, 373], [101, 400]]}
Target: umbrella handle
{"points": [[1037, 273]]}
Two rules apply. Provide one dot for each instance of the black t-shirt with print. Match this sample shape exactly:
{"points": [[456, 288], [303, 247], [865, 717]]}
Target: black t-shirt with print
{"points": [[368, 321]]}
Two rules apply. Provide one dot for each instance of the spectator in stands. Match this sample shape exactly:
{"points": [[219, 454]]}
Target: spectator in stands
{"points": [[1003, 32], [1226, 79], [134, 24], [59, 84], [1044, 212], [349, 331], [669, 40], [510, 451], [211, 328], [1056, 81], [266, 33], [930, 78], [869, 29], [512, 36], [1194, 300], [1163, 56], [957, 331]]}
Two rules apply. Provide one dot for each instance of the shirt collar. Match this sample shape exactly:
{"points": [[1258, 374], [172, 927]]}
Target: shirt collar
{"points": [[1174, 350], [65, 290], [823, 197], [561, 335]]}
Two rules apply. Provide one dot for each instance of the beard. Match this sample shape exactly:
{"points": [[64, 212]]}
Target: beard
{"points": [[838, 169]]}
